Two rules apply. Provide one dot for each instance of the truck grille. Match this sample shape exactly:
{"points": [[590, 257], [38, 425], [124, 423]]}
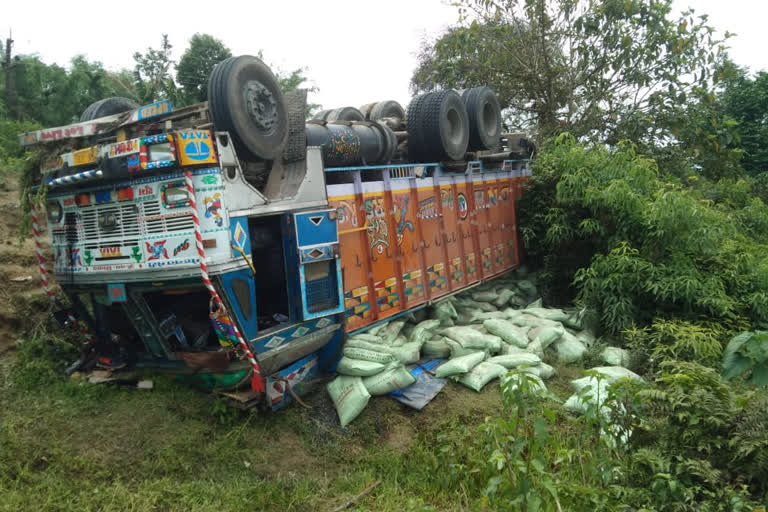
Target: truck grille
{"points": [[131, 222]]}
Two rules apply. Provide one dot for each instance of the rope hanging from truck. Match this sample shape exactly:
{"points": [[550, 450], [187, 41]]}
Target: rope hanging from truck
{"points": [[257, 384], [44, 275]]}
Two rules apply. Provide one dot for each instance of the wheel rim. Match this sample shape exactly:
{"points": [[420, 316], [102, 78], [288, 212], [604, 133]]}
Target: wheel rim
{"points": [[454, 127], [489, 119], [261, 105]]}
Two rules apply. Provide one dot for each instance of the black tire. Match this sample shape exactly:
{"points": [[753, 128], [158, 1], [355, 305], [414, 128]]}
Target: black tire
{"points": [[245, 99], [442, 121], [366, 110], [387, 109], [345, 114], [413, 127], [484, 113], [322, 115], [108, 107]]}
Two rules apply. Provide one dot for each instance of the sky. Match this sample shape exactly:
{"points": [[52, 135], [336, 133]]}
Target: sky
{"points": [[355, 52]]}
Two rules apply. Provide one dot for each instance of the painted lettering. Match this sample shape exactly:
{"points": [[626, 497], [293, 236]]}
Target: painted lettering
{"points": [[145, 191], [69, 201]]}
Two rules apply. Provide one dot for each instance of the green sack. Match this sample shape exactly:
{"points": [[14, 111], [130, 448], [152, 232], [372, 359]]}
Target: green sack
{"points": [[542, 370], [535, 304], [527, 287], [457, 349], [487, 296], [515, 360], [482, 374], [395, 376], [472, 338], [358, 367], [546, 334], [570, 349], [535, 347], [368, 355], [423, 331], [556, 315], [615, 356], [511, 381], [407, 353], [444, 310], [503, 298], [391, 331], [507, 331], [483, 316], [437, 347], [349, 396], [459, 365]]}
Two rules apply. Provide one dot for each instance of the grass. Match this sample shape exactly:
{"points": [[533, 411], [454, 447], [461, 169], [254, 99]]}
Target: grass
{"points": [[68, 445]]}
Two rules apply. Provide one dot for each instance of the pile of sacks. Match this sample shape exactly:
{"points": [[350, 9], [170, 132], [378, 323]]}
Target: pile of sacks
{"points": [[483, 333]]}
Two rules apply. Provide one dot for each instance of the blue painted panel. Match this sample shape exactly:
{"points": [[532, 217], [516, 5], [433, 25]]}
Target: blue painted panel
{"points": [[294, 376], [249, 326], [314, 228], [291, 253], [330, 354], [306, 314], [287, 335], [238, 234]]}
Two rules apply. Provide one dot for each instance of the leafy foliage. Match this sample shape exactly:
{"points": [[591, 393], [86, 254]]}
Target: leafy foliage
{"points": [[152, 74], [746, 355], [638, 246], [196, 64], [608, 70]]}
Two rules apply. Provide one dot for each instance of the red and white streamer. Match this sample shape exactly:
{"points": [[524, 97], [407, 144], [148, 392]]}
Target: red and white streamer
{"points": [[257, 384], [44, 273]]}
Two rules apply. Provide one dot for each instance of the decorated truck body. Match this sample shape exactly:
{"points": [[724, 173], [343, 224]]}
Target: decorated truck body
{"points": [[216, 242]]}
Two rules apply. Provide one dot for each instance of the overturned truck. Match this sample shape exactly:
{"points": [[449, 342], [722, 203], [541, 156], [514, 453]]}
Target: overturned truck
{"points": [[235, 244]]}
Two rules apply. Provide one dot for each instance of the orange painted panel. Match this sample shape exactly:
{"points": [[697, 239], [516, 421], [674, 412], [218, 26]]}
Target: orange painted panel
{"points": [[353, 241], [408, 238], [482, 224], [436, 270], [382, 251], [451, 235], [507, 211], [465, 231]]}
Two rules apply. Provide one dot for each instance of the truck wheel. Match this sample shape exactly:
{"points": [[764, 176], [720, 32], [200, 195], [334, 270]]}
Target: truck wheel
{"points": [[484, 115], [345, 114], [442, 119], [108, 107], [322, 115], [245, 99], [414, 128], [366, 110], [387, 109]]}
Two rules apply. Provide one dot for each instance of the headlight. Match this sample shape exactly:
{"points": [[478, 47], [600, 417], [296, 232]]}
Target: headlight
{"points": [[53, 208]]}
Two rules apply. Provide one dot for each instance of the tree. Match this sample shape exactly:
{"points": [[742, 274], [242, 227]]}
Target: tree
{"points": [[598, 69], [745, 100], [152, 74], [195, 66]]}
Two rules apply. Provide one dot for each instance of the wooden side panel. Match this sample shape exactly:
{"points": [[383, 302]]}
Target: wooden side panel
{"points": [[482, 224], [451, 235], [464, 222], [408, 240], [435, 268], [507, 222]]}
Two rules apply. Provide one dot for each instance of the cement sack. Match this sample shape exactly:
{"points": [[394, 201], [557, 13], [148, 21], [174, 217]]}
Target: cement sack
{"points": [[368, 355], [370, 338], [391, 331], [547, 334], [518, 301], [395, 376], [527, 287], [399, 341], [447, 322], [436, 347], [527, 320], [512, 313], [535, 304], [358, 367], [511, 382], [595, 395], [507, 331], [569, 350], [376, 330], [503, 298], [444, 310], [556, 315], [609, 374], [478, 327], [487, 296], [471, 338], [587, 337], [515, 360], [535, 347], [424, 330], [483, 316], [457, 349], [615, 356], [576, 319], [459, 365], [357, 343], [407, 353], [513, 350], [481, 375], [542, 370], [350, 397], [407, 330]]}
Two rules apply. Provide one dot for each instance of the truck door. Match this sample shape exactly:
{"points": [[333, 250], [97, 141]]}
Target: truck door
{"points": [[319, 277]]}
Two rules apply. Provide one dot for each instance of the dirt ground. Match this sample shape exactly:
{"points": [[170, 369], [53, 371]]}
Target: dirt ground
{"points": [[21, 294]]}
